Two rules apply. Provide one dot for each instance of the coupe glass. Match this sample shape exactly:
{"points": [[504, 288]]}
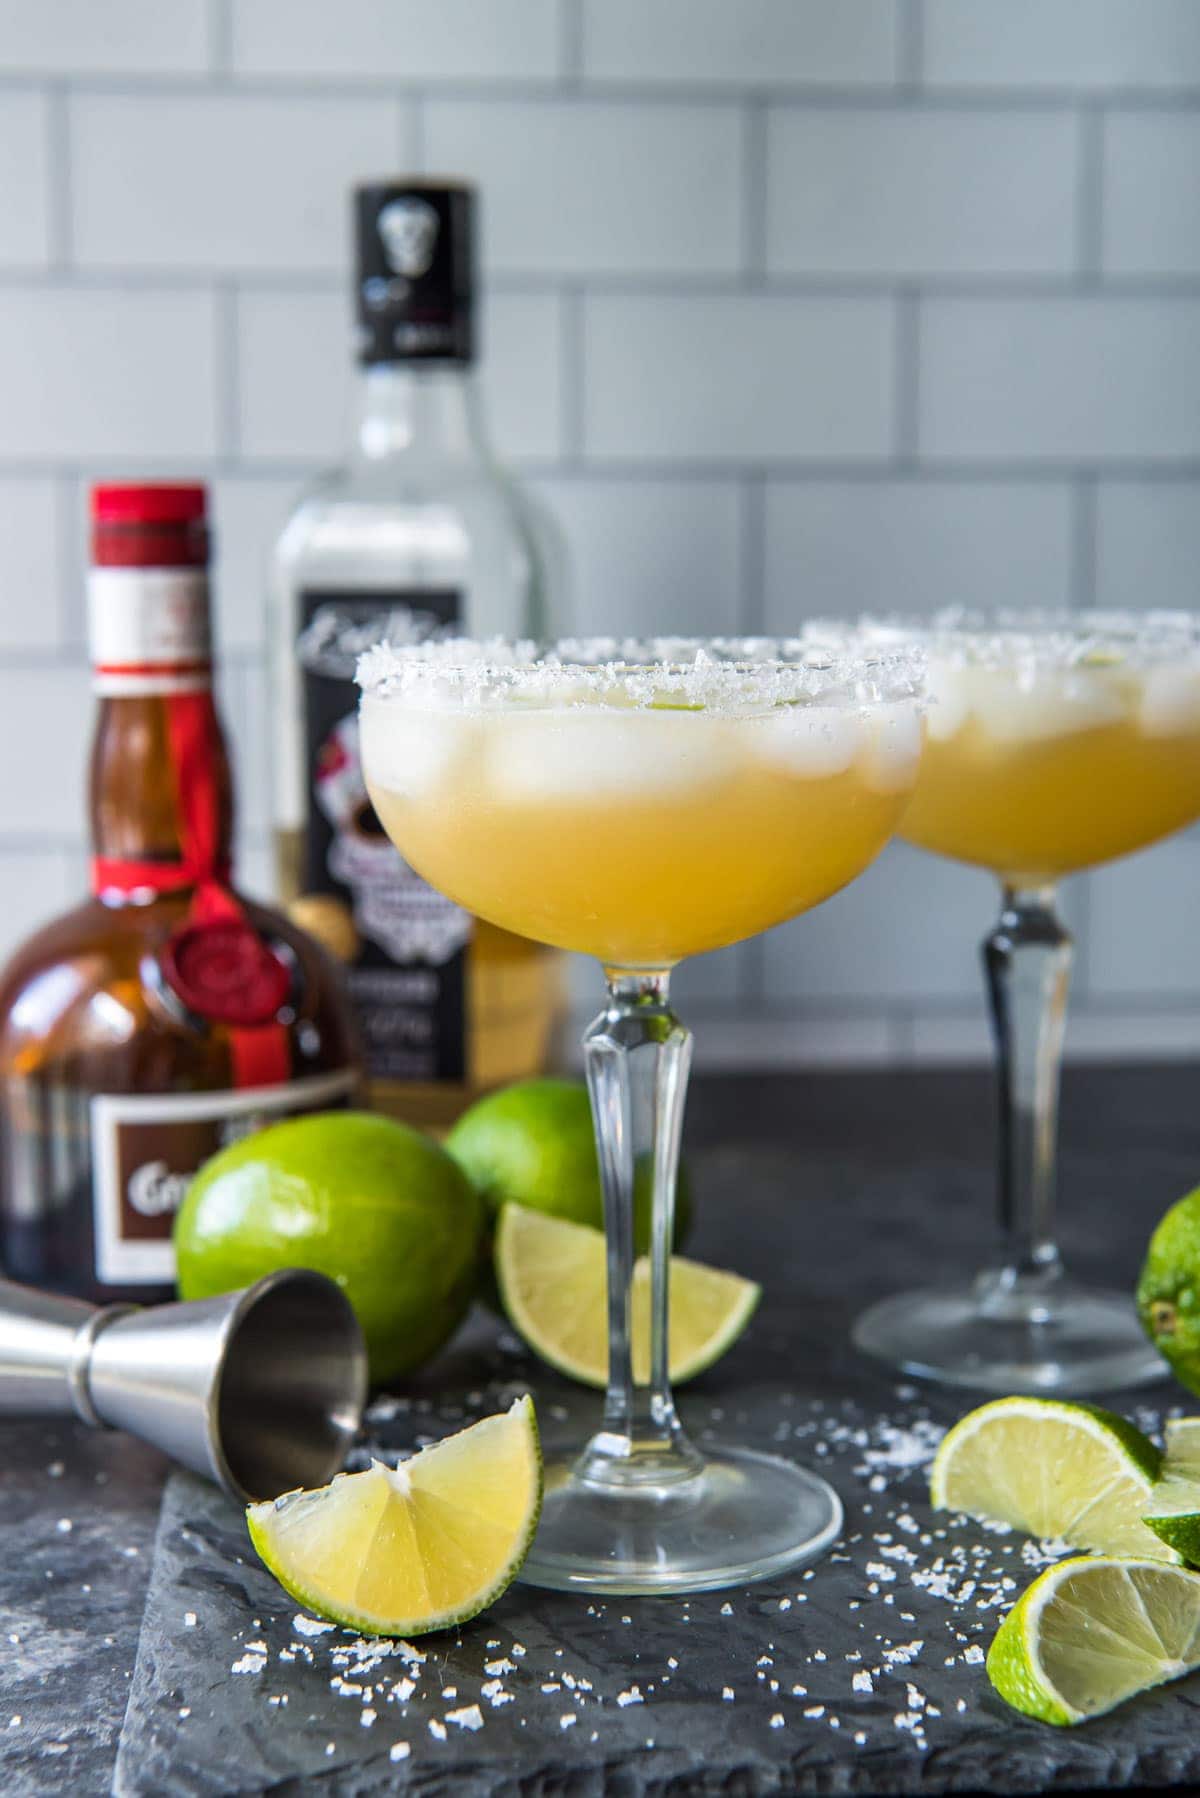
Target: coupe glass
{"points": [[643, 802], [1054, 743]]}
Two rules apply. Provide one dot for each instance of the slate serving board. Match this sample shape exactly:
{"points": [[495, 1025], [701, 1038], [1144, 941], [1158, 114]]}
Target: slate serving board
{"points": [[885, 1636]]}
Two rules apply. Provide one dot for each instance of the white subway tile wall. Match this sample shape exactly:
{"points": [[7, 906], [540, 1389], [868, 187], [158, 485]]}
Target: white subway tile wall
{"points": [[794, 307]]}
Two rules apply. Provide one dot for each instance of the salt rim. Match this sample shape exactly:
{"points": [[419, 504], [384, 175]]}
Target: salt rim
{"points": [[715, 673], [1025, 642]]}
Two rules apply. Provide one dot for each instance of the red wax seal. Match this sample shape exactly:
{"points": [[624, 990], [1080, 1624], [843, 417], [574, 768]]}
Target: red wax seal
{"points": [[224, 971]]}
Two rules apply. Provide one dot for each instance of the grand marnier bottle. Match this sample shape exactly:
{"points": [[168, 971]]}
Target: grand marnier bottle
{"points": [[166, 1014]]}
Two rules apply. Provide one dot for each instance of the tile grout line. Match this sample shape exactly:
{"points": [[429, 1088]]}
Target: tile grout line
{"points": [[1084, 507], [910, 47], [1089, 198], [754, 192], [227, 376], [572, 422], [60, 194], [220, 38], [906, 377], [571, 46]]}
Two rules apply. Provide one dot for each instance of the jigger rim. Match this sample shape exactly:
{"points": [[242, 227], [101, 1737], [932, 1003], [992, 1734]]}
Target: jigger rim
{"points": [[245, 1301]]}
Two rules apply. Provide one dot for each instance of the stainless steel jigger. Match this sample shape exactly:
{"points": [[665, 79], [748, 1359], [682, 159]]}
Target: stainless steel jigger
{"points": [[261, 1390]]}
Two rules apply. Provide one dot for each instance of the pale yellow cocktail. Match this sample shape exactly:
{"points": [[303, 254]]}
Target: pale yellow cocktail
{"points": [[1037, 771], [639, 834]]}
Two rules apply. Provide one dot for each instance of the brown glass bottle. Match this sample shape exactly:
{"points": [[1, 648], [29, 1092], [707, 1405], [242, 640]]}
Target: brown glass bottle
{"points": [[166, 1014]]}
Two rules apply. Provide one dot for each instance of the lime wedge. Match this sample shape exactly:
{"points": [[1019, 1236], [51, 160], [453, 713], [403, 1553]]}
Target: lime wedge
{"points": [[1089, 1633], [400, 1551], [1054, 1469], [553, 1283], [1174, 1509]]}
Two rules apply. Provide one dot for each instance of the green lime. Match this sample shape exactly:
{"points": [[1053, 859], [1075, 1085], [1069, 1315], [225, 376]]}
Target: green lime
{"points": [[377, 1206], [1052, 1468], [401, 1551], [1168, 1291], [1089, 1633], [1174, 1510], [532, 1144]]}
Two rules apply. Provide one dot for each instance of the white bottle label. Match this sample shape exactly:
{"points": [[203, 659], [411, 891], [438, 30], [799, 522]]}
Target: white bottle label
{"points": [[149, 630], [146, 1147]]}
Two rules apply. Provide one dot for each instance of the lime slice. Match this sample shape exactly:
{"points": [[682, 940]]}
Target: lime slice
{"points": [[1055, 1469], [554, 1286], [1174, 1510], [400, 1551], [1088, 1634]]}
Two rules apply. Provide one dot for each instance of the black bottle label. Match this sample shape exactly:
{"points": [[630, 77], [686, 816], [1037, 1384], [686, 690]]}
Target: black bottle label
{"points": [[404, 946]]}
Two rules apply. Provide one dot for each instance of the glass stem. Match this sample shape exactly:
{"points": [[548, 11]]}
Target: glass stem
{"points": [[1027, 960], [637, 1056]]}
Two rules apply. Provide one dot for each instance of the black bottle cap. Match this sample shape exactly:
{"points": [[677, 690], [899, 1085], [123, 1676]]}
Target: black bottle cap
{"points": [[415, 271]]}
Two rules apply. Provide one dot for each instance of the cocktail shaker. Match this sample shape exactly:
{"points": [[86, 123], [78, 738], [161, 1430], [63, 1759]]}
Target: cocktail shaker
{"points": [[261, 1390]]}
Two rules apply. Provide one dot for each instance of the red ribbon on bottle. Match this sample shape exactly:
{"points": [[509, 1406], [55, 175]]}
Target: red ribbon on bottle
{"points": [[217, 964]]}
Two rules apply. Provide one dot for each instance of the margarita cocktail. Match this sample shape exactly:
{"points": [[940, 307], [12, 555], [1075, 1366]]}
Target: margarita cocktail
{"points": [[1053, 745], [642, 803]]}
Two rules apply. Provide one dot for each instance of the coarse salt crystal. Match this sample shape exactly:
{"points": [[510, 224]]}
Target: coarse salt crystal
{"points": [[777, 1720], [862, 1682], [311, 1626], [726, 1694], [633, 1696], [399, 1751], [468, 1717]]}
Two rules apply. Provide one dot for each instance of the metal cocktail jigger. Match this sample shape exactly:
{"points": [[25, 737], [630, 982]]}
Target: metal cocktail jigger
{"points": [[261, 1390]]}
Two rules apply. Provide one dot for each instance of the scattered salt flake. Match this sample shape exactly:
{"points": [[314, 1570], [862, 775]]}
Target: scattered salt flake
{"points": [[185, 1710], [468, 1717], [960, 1704], [633, 1696], [567, 1720], [403, 1690], [814, 1710], [862, 1682], [311, 1626], [366, 1717], [785, 1604], [551, 1685], [189, 1620], [726, 1694], [799, 1691], [901, 1653], [493, 1668], [777, 1720], [249, 1663], [973, 1655], [399, 1751], [819, 1654], [64, 1526], [437, 1729], [860, 1736], [727, 1609]]}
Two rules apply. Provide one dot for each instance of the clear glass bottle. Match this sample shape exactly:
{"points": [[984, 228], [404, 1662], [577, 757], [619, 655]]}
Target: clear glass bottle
{"points": [[420, 530]]}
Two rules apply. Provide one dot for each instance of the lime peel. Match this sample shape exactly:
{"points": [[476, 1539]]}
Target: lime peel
{"points": [[404, 1551]]}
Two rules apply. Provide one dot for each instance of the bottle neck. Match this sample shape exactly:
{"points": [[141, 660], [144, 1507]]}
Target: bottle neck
{"points": [[430, 411], [160, 787]]}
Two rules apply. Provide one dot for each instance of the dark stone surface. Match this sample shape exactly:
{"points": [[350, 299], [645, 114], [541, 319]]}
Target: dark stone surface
{"points": [[831, 1190]]}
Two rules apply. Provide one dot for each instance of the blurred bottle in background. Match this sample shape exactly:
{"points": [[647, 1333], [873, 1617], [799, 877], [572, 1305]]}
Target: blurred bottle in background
{"points": [[166, 1015], [420, 531]]}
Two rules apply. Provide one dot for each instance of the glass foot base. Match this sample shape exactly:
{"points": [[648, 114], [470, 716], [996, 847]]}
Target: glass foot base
{"points": [[1062, 1338], [742, 1517]]}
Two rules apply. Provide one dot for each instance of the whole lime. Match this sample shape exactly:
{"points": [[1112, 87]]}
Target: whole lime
{"points": [[1168, 1290], [376, 1205], [533, 1143]]}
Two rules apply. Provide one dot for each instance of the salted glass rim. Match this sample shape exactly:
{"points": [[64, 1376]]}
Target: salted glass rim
{"points": [[686, 673], [1032, 640]]}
